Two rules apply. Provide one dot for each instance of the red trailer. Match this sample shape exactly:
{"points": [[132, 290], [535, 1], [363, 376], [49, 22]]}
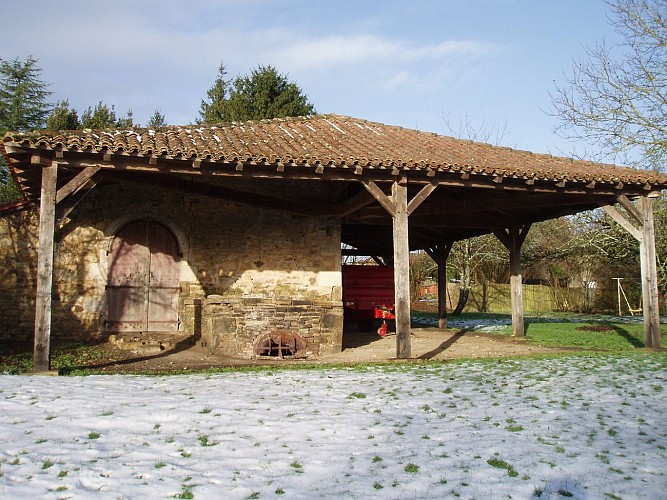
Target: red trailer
{"points": [[368, 296]]}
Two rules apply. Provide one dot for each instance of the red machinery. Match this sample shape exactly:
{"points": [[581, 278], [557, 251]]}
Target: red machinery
{"points": [[368, 295]]}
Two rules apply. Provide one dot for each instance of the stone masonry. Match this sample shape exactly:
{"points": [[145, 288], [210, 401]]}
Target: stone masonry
{"points": [[244, 271]]}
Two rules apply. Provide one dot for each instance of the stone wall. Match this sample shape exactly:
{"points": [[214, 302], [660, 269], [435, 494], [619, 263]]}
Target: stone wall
{"points": [[18, 268], [232, 325], [257, 260]]}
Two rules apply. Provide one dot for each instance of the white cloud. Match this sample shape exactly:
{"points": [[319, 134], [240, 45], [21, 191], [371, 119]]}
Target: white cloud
{"points": [[142, 58], [393, 58]]}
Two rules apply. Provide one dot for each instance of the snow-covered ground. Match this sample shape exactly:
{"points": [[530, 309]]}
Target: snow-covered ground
{"points": [[497, 323], [579, 427]]}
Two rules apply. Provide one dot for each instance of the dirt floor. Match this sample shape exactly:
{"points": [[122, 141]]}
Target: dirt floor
{"points": [[358, 347]]}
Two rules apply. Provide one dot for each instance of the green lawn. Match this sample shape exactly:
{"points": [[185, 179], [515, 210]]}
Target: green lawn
{"points": [[589, 335], [555, 330], [62, 356]]}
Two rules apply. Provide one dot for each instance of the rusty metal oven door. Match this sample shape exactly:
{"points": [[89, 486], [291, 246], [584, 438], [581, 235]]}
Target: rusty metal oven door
{"points": [[143, 285]]}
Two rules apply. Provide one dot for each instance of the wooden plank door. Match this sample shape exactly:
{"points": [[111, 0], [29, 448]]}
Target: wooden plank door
{"points": [[142, 291], [163, 279]]}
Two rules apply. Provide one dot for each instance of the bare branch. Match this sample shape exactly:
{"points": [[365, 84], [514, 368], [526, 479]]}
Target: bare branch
{"points": [[616, 98]]}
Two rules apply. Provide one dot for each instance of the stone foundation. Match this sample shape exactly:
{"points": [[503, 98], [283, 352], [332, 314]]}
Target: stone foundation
{"points": [[232, 325]]}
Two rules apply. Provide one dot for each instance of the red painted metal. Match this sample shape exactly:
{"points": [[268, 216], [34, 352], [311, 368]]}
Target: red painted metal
{"points": [[142, 291], [368, 292]]}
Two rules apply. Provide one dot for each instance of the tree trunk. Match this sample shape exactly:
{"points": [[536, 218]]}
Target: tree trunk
{"points": [[464, 294]]}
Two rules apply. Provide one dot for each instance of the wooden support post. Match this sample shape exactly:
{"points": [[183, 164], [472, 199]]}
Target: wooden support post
{"points": [[399, 195], [442, 294], [513, 238], [47, 211], [439, 254], [518, 328], [642, 215], [649, 273], [398, 207]]}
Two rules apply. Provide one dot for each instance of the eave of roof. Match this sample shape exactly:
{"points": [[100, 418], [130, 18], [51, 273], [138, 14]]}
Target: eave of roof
{"points": [[331, 141]]}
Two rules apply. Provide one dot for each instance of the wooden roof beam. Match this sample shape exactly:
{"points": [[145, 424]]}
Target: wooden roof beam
{"points": [[76, 183], [220, 192], [355, 203]]}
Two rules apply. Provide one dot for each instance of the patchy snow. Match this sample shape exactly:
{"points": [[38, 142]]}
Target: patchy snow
{"points": [[497, 323], [582, 426]]}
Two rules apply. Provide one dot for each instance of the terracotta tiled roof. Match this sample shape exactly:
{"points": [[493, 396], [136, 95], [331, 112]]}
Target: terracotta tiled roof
{"points": [[333, 141]]}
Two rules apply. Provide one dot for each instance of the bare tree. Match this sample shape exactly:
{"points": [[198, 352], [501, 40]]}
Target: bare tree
{"points": [[477, 260], [616, 98], [491, 134], [471, 257]]}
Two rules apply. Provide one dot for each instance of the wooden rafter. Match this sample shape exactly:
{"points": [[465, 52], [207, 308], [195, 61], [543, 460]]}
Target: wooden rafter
{"points": [[65, 207], [381, 198], [76, 183], [188, 186], [355, 203], [317, 171]]}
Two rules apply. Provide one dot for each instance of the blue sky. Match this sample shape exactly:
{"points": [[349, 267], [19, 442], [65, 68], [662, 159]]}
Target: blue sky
{"points": [[488, 63]]}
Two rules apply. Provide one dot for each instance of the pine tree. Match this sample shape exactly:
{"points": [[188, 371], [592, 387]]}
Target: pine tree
{"points": [[23, 96], [263, 94], [157, 120], [23, 107], [104, 117], [213, 111], [63, 118]]}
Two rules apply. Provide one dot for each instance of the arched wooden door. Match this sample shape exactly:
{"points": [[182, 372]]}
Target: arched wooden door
{"points": [[143, 285]]}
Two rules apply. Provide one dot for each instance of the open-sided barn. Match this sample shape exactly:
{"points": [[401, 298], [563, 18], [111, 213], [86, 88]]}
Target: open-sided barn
{"points": [[231, 235]]}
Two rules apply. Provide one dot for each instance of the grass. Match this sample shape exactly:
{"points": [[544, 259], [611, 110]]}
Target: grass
{"points": [[412, 468], [501, 464], [185, 493], [64, 357], [205, 441], [565, 330], [297, 466], [619, 337]]}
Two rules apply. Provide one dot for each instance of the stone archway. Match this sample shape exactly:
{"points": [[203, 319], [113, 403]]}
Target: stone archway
{"points": [[143, 281]]}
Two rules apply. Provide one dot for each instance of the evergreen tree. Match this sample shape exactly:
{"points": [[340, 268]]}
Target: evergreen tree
{"points": [[213, 111], [126, 121], [23, 107], [156, 120], [9, 191], [23, 96], [263, 94], [104, 117], [100, 117], [63, 118]]}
